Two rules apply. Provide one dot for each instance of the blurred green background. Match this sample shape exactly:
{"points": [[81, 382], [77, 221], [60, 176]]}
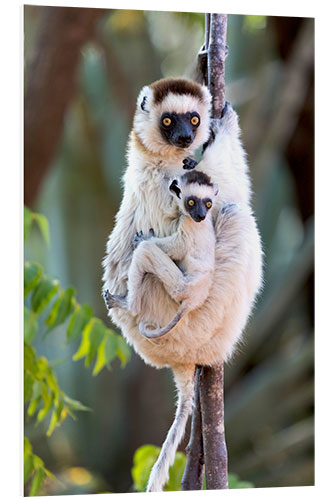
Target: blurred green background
{"points": [[83, 71]]}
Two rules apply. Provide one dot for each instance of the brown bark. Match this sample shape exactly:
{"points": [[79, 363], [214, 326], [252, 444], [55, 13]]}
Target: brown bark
{"points": [[212, 412], [215, 61], [212, 378], [51, 86], [194, 469], [209, 436]]}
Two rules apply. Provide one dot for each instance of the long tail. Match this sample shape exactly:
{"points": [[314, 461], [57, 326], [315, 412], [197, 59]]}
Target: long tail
{"points": [[160, 472], [160, 332]]}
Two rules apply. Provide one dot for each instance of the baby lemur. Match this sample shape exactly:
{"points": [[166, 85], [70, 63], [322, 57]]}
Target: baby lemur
{"points": [[185, 258]]}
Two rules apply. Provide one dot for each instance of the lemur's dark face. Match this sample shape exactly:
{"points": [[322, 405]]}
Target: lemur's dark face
{"points": [[180, 129], [197, 208], [194, 193]]}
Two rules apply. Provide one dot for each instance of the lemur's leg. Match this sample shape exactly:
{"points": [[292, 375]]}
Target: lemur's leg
{"points": [[148, 258]]}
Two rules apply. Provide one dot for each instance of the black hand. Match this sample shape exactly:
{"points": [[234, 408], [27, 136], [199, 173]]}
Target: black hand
{"points": [[189, 163]]}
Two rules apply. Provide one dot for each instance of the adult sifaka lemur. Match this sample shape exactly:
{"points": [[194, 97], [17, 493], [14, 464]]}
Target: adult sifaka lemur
{"points": [[171, 121]]}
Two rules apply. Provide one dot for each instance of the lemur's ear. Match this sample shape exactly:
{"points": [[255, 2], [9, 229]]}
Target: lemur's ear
{"points": [[145, 99], [216, 189], [175, 189]]}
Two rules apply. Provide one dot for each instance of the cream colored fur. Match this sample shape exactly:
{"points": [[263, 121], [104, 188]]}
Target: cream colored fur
{"points": [[210, 333], [192, 246]]}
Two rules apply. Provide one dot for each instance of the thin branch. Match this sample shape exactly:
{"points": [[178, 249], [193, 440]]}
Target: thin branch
{"points": [[212, 378], [194, 470], [216, 60], [209, 406]]}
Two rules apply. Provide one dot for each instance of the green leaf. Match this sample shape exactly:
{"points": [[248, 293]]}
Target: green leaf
{"points": [[61, 309], [111, 345], [32, 275], [37, 482], [176, 472], [43, 293], [144, 459], [101, 359], [29, 359], [123, 351], [79, 319], [28, 219], [43, 225], [74, 404], [28, 467], [28, 385], [36, 397], [85, 342], [55, 419], [43, 368], [30, 325], [27, 448], [96, 337], [236, 483], [47, 400]]}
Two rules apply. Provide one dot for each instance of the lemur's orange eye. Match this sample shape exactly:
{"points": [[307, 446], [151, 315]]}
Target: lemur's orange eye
{"points": [[191, 203], [195, 120], [209, 204], [166, 121]]}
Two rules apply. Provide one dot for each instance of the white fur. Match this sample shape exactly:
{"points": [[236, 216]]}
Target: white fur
{"points": [[192, 246], [210, 333]]}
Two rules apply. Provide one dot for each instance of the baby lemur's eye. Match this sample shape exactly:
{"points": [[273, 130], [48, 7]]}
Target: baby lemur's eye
{"points": [[208, 204], [195, 120], [191, 203], [166, 121]]}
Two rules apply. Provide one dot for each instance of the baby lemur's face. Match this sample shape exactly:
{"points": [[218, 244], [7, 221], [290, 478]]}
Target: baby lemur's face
{"points": [[195, 194]]}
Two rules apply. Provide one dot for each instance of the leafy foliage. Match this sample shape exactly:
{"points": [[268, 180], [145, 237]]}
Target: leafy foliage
{"points": [[47, 306], [144, 459], [34, 469], [31, 218]]}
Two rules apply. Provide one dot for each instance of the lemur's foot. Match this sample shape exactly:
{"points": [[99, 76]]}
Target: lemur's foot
{"points": [[228, 120], [107, 299], [189, 163], [226, 108], [112, 301], [139, 237]]}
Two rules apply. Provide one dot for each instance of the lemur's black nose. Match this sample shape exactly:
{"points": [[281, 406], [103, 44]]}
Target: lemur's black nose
{"points": [[184, 139], [199, 217]]}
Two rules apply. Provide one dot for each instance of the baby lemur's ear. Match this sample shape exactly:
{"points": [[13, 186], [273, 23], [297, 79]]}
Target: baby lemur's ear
{"points": [[216, 189], [174, 188]]}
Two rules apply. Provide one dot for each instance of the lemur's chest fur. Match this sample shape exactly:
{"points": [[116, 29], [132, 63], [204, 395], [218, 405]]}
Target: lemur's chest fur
{"points": [[156, 208]]}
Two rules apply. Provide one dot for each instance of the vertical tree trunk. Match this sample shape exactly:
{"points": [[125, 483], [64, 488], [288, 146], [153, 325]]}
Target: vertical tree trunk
{"points": [[51, 82], [209, 396], [211, 385], [212, 411]]}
